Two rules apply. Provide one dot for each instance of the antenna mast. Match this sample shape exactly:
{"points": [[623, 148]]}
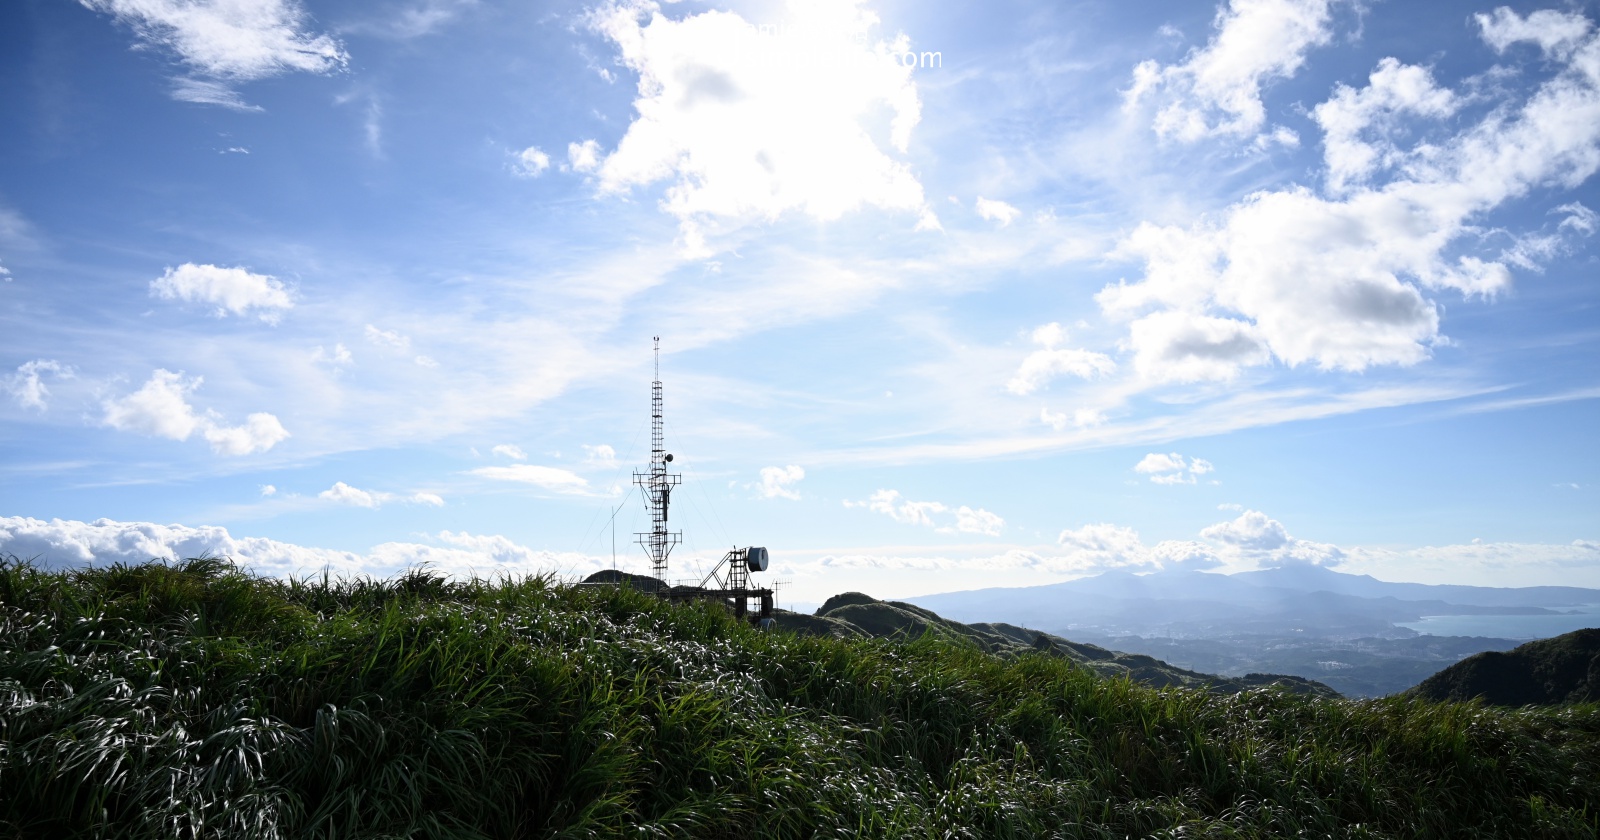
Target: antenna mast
{"points": [[657, 486]]}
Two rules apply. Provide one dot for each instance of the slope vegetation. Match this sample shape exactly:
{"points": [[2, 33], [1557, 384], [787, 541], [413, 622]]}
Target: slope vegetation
{"points": [[854, 614], [1563, 669], [194, 700]]}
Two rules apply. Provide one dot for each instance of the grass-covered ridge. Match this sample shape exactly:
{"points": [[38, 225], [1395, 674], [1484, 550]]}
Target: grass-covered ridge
{"points": [[196, 700]]}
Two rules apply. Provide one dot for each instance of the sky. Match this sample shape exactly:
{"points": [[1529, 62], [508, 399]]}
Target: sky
{"points": [[948, 295]]}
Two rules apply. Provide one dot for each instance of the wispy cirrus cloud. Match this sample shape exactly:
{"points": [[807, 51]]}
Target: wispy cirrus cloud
{"points": [[939, 516], [224, 42]]}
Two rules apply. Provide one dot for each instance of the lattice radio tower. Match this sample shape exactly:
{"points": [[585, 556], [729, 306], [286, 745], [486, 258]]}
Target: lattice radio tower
{"points": [[656, 487]]}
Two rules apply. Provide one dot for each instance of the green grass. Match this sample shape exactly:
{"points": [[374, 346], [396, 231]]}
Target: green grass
{"points": [[195, 700]]}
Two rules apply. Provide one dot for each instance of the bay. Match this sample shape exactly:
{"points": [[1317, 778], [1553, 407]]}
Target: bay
{"points": [[1507, 626]]}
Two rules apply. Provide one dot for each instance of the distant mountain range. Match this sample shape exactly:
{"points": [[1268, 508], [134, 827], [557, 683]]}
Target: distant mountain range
{"points": [[1289, 600]]}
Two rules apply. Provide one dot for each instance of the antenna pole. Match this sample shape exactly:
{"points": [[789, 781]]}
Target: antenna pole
{"points": [[657, 485]]}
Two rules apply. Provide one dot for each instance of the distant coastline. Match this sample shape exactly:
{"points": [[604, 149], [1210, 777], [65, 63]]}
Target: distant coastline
{"points": [[1507, 626]]}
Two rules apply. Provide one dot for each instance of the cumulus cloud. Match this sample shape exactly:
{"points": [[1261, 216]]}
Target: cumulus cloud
{"points": [[343, 494], [227, 41], [261, 431], [1339, 282], [160, 408], [530, 162], [27, 384], [1170, 468], [1557, 33], [61, 543], [1260, 538], [583, 157], [1049, 362], [997, 211], [1393, 90], [600, 455], [1216, 89], [1103, 546], [779, 482], [749, 123], [936, 515], [231, 290], [550, 478]]}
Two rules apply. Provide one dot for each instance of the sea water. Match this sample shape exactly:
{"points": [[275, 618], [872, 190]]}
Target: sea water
{"points": [[1508, 626]]}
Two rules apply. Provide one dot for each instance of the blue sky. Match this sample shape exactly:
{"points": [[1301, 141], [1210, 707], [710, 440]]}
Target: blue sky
{"points": [[949, 295]]}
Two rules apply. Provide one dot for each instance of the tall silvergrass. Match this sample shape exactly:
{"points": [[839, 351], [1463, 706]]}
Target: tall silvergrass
{"points": [[194, 700]]}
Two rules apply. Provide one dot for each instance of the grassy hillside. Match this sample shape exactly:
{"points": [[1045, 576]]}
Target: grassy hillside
{"points": [[1565, 669], [197, 701], [854, 614]]}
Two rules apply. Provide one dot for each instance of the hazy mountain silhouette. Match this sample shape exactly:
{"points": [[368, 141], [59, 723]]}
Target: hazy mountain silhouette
{"points": [[1298, 599]]}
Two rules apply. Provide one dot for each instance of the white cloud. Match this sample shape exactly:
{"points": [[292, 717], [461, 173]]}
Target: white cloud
{"points": [[268, 490], [1255, 538], [1393, 90], [68, 543], [778, 482], [997, 211], [230, 290], [600, 455], [387, 338], [343, 494], [550, 478], [1339, 283], [750, 123], [160, 408], [227, 41], [583, 157], [338, 357], [510, 450], [1171, 468], [1578, 218], [413, 21], [1045, 364], [27, 384], [978, 521], [425, 361], [1216, 90], [1082, 418], [1557, 33], [1252, 529], [530, 162], [936, 515], [204, 92], [1103, 546], [260, 432]]}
